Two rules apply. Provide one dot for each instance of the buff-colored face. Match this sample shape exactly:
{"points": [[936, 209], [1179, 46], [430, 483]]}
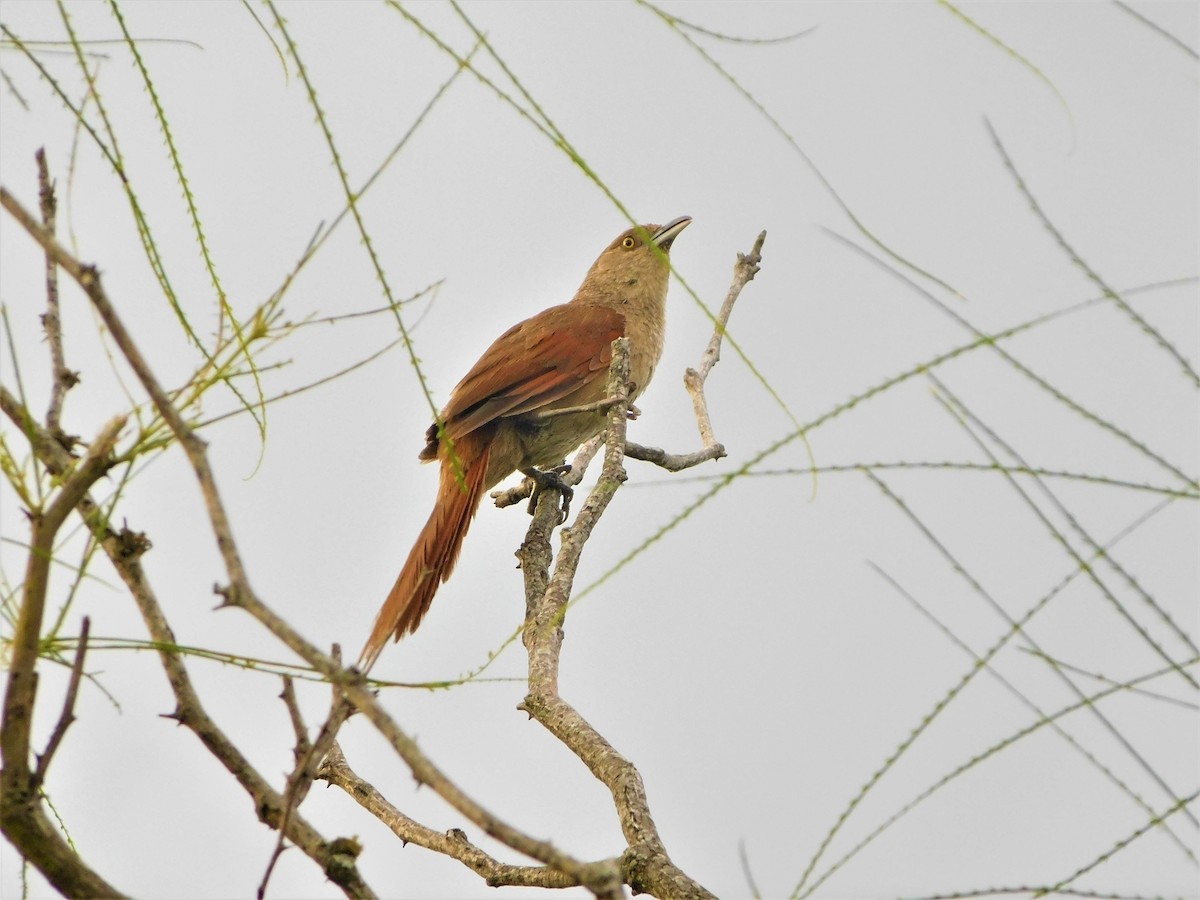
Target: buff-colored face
{"points": [[638, 253]]}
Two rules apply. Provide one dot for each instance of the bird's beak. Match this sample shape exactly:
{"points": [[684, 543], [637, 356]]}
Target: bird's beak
{"points": [[665, 235]]}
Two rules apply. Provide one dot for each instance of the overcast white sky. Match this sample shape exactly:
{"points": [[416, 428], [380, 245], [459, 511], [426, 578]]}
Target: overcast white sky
{"points": [[753, 663]]}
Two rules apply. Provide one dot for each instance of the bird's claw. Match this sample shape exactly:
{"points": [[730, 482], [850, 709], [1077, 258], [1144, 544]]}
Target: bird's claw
{"points": [[550, 479]]}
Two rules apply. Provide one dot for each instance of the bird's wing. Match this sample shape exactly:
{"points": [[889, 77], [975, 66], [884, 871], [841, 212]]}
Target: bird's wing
{"points": [[534, 363]]}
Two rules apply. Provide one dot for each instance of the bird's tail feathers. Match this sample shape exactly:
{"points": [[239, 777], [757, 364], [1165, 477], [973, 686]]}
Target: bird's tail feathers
{"points": [[432, 557]]}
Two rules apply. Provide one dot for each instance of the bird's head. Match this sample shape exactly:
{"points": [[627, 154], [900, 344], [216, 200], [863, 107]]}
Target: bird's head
{"points": [[638, 256]]}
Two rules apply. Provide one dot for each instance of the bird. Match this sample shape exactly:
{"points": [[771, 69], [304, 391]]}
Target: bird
{"points": [[490, 427]]}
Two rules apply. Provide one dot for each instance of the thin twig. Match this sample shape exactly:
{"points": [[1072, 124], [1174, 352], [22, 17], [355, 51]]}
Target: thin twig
{"points": [[598, 406], [744, 270], [308, 759], [674, 462], [453, 843], [61, 378], [288, 696], [68, 711]]}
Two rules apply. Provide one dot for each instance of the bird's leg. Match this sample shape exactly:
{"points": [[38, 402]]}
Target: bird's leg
{"points": [[551, 479]]}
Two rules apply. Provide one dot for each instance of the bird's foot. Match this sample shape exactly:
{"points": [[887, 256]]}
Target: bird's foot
{"points": [[550, 479]]}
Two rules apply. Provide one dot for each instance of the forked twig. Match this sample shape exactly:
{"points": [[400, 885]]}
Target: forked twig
{"points": [[308, 760], [22, 815], [645, 865]]}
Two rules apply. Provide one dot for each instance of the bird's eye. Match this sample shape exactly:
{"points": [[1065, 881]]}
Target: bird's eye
{"points": [[627, 243]]}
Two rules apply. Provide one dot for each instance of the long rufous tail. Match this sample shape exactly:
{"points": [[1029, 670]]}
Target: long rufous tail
{"points": [[432, 557]]}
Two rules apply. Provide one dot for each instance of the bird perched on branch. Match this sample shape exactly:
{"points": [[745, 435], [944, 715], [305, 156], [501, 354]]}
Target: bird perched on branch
{"points": [[491, 427]]}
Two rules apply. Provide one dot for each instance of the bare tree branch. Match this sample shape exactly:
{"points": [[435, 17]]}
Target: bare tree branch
{"points": [[744, 270], [645, 865], [62, 379], [124, 550], [240, 594], [674, 462]]}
